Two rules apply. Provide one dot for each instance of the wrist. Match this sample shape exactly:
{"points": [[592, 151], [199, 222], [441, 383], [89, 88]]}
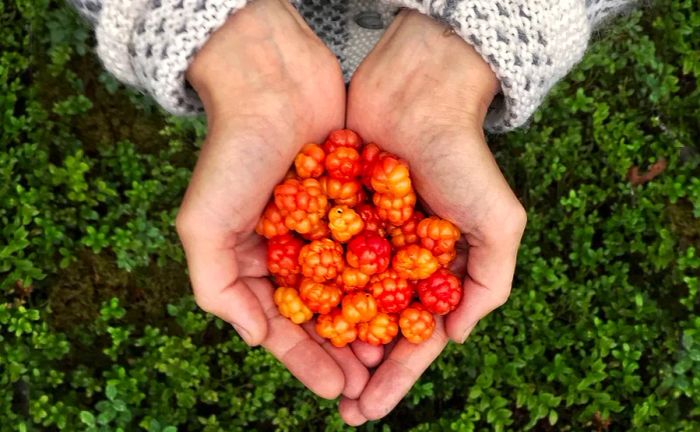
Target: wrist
{"points": [[434, 43], [244, 51]]}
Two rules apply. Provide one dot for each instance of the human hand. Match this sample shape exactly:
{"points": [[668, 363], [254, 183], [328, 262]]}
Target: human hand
{"points": [[423, 94], [268, 86]]}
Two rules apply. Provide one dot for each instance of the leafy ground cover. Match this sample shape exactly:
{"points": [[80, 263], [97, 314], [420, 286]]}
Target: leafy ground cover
{"points": [[98, 330]]}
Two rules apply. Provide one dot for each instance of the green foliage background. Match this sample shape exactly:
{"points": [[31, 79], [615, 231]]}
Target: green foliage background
{"points": [[98, 330]]}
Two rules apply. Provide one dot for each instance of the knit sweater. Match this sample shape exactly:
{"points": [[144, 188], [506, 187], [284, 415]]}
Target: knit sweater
{"points": [[529, 44]]}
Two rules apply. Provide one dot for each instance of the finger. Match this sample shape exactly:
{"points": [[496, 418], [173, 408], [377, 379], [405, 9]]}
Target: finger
{"points": [[369, 355], [355, 373], [293, 346], [490, 269], [217, 289], [399, 371], [349, 410]]}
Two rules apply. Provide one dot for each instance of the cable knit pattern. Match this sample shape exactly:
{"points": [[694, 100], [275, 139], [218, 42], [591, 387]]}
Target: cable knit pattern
{"points": [[529, 44]]}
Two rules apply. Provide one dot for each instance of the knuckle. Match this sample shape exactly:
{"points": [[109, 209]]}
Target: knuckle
{"points": [[501, 297], [184, 223], [205, 302]]}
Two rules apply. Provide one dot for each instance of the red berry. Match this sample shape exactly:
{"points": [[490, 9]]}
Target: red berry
{"points": [[369, 252], [439, 237], [343, 163], [368, 158], [394, 210], [342, 138], [392, 292], [283, 255], [371, 218], [441, 292]]}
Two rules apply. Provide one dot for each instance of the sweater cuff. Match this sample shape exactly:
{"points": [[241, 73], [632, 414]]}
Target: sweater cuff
{"points": [[150, 44], [529, 45]]}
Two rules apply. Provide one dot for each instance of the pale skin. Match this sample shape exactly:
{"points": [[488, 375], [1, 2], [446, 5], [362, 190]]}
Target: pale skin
{"points": [[269, 85]]}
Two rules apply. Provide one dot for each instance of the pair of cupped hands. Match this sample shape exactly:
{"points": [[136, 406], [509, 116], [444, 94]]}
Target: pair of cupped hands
{"points": [[268, 86]]}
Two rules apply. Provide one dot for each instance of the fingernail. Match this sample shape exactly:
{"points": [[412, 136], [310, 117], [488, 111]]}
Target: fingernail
{"points": [[243, 333], [466, 334]]}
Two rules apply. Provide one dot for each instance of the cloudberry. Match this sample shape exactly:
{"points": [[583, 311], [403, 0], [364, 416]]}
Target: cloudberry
{"points": [[379, 330], [390, 176], [344, 223], [405, 234], [291, 306], [321, 260], [441, 292], [395, 210], [271, 222], [318, 231], [283, 255], [393, 293], [359, 307], [291, 280], [335, 327], [354, 200], [414, 262], [343, 163], [342, 138], [310, 161], [439, 237], [318, 297], [353, 279], [368, 157], [371, 219], [302, 203], [369, 252], [340, 189], [417, 324]]}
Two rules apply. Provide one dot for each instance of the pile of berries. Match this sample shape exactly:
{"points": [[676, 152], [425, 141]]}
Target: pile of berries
{"points": [[346, 242]]}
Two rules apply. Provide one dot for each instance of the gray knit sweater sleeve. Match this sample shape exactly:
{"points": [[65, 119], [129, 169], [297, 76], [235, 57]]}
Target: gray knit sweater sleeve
{"points": [[529, 44]]}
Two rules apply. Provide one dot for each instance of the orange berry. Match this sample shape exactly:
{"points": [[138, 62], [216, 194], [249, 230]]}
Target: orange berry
{"points": [[405, 234], [395, 210], [353, 279], [342, 138], [310, 161], [335, 327], [354, 200], [379, 330], [417, 324], [302, 203], [291, 306], [340, 189], [291, 280], [439, 237], [318, 297], [271, 222], [390, 176], [359, 307], [322, 260], [343, 163], [318, 231], [344, 223], [414, 262]]}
